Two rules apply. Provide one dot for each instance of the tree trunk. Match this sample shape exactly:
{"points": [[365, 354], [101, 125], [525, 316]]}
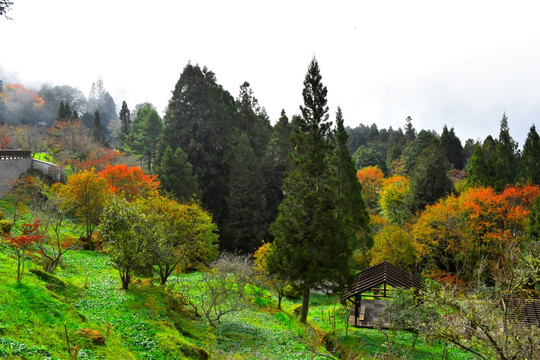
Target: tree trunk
{"points": [[305, 305], [126, 278]]}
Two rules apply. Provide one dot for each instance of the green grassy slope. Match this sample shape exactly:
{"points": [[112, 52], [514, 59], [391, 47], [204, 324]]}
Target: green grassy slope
{"points": [[150, 321]]}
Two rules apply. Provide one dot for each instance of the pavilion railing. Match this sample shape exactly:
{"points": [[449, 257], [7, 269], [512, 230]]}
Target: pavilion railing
{"points": [[14, 154]]}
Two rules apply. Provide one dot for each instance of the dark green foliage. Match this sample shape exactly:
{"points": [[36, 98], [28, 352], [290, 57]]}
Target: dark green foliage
{"points": [[529, 166], [276, 163], [125, 125], [146, 135], [395, 146], [468, 150], [98, 133], [5, 226], [311, 243], [245, 225], [176, 175], [533, 230], [352, 211], [369, 156], [252, 120], [410, 131], [200, 119], [453, 148], [506, 159], [64, 112], [479, 171], [429, 178], [415, 148]]}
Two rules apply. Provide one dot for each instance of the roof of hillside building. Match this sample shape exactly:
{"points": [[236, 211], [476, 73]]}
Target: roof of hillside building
{"points": [[383, 273]]}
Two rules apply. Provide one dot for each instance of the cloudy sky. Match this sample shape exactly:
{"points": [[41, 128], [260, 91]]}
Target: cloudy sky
{"points": [[460, 63]]}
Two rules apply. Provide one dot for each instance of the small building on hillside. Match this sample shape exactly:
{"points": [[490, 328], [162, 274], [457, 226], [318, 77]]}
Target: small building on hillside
{"points": [[370, 292]]}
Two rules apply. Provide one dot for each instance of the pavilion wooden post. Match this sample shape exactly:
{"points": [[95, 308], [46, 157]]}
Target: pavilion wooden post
{"points": [[356, 301]]}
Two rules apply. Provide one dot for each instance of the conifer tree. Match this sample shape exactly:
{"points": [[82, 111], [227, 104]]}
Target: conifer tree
{"points": [[276, 162], [506, 160], [452, 147], [176, 176], [97, 132], [125, 124], [311, 245], [201, 119], [245, 226], [352, 209], [478, 172], [529, 166], [429, 178]]}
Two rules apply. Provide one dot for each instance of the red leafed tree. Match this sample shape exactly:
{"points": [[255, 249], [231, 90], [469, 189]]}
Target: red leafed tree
{"points": [[22, 243], [98, 159], [130, 181], [371, 178]]}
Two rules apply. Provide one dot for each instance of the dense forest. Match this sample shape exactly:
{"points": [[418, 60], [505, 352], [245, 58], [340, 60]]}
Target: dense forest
{"points": [[310, 201]]}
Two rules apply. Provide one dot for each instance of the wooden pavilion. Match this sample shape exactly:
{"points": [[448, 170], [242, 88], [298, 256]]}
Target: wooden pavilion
{"points": [[376, 283]]}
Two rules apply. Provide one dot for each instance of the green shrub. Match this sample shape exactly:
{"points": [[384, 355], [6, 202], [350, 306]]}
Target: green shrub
{"points": [[292, 291], [5, 227]]}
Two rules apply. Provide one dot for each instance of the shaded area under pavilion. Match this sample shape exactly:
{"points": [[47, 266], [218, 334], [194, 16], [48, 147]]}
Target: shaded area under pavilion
{"points": [[370, 291]]}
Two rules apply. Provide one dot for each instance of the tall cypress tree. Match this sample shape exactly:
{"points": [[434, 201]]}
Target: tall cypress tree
{"points": [[352, 211], [98, 133], [245, 226], [310, 246], [479, 171], [429, 177], [275, 163], [452, 147], [125, 124], [529, 166], [201, 119], [176, 176], [506, 160]]}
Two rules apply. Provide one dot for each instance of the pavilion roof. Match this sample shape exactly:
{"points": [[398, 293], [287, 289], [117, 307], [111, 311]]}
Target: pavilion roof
{"points": [[381, 274]]}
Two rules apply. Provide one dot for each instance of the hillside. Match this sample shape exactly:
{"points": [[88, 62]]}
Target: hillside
{"points": [[150, 322]]}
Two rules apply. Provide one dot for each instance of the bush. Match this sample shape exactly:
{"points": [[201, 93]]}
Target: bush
{"points": [[5, 227], [292, 291]]}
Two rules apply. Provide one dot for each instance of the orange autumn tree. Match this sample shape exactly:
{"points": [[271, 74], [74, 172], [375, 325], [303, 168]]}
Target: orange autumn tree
{"points": [[130, 181], [466, 235], [371, 178], [84, 195]]}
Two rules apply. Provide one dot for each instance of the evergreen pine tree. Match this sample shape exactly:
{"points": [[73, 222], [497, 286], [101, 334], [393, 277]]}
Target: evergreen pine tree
{"points": [[201, 119], [245, 226], [275, 164], [410, 132], [506, 160], [147, 134], [452, 147], [125, 124], [429, 178], [478, 172], [352, 211], [529, 166], [310, 246], [97, 132], [175, 174]]}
